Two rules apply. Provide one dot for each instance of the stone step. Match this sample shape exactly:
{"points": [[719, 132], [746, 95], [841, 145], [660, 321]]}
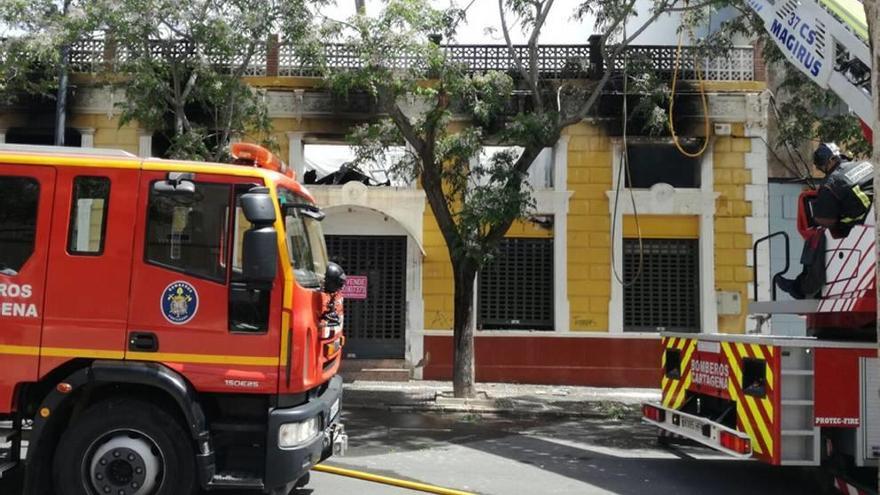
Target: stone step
{"points": [[376, 375], [351, 364]]}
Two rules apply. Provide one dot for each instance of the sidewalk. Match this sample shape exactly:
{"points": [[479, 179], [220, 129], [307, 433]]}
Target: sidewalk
{"points": [[499, 398]]}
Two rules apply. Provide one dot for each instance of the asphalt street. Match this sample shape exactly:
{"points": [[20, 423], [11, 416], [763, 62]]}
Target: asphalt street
{"points": [[491, 455], [587, 456]]}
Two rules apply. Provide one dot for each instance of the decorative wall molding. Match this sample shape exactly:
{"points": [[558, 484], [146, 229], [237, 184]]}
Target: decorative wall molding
{"points": [[758, 224]]}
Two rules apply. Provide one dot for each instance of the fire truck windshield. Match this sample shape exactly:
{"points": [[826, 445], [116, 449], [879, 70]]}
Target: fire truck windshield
{"points": [[305, 238]]}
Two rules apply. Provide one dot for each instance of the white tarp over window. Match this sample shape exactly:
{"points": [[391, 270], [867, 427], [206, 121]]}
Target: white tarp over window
{"points": [[326, 159]]}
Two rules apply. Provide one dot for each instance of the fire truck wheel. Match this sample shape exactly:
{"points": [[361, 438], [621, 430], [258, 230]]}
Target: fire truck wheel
{"points": [[124, 447], [303, 481]]}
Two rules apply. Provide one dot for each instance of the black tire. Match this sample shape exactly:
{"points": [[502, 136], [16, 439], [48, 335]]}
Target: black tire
{"points": [[664, 440], [152, 431], [303, 481]]}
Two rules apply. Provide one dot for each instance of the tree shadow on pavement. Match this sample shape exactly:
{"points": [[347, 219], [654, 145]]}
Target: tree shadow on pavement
{"points": [[638, 474], [617, 455]]}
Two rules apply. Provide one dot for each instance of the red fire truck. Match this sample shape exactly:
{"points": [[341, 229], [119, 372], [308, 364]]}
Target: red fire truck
{"points": [[806, 401], [165, 326], [791, 401]]}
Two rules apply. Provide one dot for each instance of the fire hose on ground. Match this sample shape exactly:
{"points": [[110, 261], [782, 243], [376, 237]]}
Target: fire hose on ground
{"points": [[375, 478]]}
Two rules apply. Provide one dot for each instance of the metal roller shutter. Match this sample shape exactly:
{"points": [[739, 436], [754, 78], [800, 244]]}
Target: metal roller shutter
{"points": [[666, 295], [516, 288], [374, 327]]}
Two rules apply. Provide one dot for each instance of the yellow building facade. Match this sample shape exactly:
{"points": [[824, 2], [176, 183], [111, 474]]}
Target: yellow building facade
{"points": [[591, 230]]}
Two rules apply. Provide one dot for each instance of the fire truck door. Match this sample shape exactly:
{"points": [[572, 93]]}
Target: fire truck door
{"points": [[187, 308], [87, 286], [26, 195]]}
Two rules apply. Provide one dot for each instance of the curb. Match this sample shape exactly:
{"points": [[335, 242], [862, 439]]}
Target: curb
{"points": [[593, 409]]}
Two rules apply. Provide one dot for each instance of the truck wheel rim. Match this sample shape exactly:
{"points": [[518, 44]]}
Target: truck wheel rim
{"points": [[124, 462]]}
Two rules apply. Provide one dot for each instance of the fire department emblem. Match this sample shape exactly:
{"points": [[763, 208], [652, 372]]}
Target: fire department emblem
{"points": [[180, 301]]}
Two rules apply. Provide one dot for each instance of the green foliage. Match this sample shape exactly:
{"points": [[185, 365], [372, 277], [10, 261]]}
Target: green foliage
{"points": [[185, 63], [422, 99], [25, 70], [807, 112], [31, 55]]}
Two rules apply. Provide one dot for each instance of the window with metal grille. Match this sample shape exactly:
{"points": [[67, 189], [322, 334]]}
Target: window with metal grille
{"points": [[516, 288], [665, 293]]}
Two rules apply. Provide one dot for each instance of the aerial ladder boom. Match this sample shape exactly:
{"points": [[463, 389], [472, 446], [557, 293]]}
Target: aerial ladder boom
{"points": [[827, 40]]}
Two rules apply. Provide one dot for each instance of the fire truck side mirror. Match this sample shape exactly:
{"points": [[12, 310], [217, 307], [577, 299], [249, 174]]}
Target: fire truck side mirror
{"points": [[258, 206], [177, 184], [260, 254]]}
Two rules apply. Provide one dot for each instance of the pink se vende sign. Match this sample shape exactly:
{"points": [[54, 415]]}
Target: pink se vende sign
{"points": [[355, 287]]}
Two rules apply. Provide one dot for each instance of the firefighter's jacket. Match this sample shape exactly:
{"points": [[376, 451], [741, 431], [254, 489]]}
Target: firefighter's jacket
{"points": [[846, 195]]}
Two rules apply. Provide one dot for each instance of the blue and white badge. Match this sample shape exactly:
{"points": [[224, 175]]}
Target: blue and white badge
{"points": [[180, 302]]}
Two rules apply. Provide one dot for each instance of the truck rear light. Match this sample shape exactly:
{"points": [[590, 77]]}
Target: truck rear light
{"points": [[737, 444], [653, 413]]}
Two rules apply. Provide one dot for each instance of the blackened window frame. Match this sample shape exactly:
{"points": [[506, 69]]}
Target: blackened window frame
{"points": [[654, 158]]}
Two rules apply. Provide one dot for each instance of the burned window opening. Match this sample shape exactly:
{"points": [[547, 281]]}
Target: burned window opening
{"points": [[656, 163]]}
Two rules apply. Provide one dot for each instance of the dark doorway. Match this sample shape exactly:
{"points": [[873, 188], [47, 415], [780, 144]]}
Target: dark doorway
{"points": [[375, 327], [42, 136]]}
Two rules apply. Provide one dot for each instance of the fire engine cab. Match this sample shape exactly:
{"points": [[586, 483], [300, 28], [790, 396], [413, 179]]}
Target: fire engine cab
{"points": [[165, 326]]}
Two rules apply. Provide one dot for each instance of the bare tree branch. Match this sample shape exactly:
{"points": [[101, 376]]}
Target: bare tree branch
{"points": [[539, 21], [406, 128], [600, 86], [691, 8], [513, 54]]}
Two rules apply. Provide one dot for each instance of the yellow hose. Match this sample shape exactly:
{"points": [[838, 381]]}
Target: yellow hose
{"points": [[375, 478], [702, 97]]}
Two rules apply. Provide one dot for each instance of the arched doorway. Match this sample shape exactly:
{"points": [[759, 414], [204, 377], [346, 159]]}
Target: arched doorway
{"points": [[379, 252]]}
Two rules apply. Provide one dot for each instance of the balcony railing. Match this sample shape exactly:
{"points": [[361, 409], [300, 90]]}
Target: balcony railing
{"points": [[554, 61]]}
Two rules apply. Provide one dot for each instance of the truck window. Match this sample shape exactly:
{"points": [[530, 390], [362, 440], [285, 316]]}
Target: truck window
{"points": [[88, 215], [305, 240], [187, 234], [300, 250], [19, 197]]}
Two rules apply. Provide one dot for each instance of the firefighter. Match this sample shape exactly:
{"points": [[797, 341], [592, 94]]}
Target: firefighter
{"points": [[846, 194], [843, 201]]}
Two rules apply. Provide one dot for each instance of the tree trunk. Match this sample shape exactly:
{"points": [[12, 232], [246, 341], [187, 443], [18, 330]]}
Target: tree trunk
{"points": [[179, 114], [61, 99], [463, 329]]}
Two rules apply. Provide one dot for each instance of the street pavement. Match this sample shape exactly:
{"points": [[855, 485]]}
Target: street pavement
{"points": [[491, 454], [585, 456]]}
